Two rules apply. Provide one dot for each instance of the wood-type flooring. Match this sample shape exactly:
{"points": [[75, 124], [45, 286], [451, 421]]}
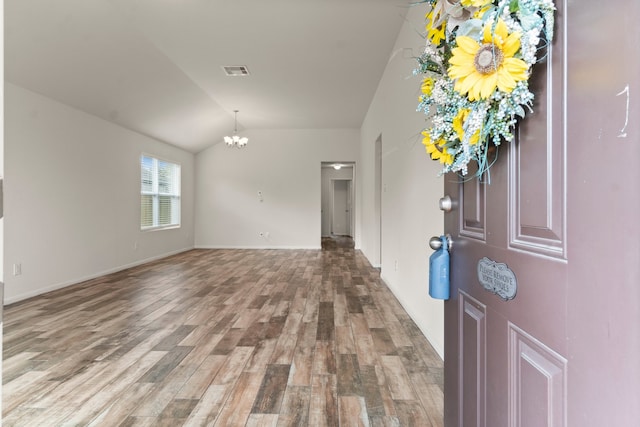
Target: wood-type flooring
{"points": [[222, 338]]}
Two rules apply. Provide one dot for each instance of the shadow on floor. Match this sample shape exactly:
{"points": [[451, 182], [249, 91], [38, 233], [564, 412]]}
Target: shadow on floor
{"points": [[337, 242]]}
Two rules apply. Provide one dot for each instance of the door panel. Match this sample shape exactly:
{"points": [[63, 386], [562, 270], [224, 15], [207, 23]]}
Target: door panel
{"points": [[537, 382], [472, 362], [537, 164], [472, 208], [559, 209]]}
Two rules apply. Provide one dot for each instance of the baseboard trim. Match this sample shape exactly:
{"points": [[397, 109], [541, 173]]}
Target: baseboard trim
{"points": [[79, 280], [257, 247], [438, 350]]}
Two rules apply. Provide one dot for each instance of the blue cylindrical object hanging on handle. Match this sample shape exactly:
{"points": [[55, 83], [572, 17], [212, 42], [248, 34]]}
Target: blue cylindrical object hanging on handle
{"points": [[439, 271]]}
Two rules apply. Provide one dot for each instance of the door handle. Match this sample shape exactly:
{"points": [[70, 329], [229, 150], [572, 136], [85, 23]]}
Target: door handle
{"points": [[445, 204], [435, 242]]}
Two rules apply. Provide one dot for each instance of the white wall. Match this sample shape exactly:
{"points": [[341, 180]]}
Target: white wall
{"points": [[411, 188], [72, 196], [2, 297], [285, 165]]}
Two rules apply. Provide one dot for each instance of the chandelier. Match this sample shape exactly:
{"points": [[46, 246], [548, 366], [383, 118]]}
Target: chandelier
{"points": [[235, 140]]}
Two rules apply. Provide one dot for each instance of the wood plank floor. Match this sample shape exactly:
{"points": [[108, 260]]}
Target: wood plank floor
{"points": [[224, 338]]}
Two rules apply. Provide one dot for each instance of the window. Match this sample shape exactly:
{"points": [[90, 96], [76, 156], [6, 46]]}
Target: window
{"points": [[159, 193]]}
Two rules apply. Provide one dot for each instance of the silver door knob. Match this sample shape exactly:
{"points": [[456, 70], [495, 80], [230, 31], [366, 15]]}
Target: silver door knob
{"points": [[435, 242], [446, 204]]}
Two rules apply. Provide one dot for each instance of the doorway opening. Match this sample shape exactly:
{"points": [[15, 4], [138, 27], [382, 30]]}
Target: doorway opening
{"points": [[377, 199], [337, 199]]}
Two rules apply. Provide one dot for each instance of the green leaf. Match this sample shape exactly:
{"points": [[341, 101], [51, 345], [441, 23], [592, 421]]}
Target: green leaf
{"points": [[530, 21], [514, 6], [451, 144], [471, 28], [519, 111]]}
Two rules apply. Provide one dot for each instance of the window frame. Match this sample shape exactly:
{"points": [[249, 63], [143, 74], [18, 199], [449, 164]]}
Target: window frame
{"points": [[156, 194]]}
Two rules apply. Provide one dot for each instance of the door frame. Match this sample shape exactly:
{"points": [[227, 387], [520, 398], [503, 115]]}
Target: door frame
{"points": [[326, 195], [377, 198]]}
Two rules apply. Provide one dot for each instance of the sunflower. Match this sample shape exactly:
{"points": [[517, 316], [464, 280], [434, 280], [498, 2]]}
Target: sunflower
{"points": [[479, 68], [436, 150], [479, 14], [458, 123], [436, 35], [475, 3], [427, 86]]}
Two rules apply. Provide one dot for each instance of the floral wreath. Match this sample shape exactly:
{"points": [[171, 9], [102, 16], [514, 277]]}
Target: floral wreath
{"points": [[476, 67]]}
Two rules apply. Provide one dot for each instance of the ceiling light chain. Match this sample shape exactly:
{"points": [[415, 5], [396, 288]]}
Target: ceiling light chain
{"points": [[235, 140]]}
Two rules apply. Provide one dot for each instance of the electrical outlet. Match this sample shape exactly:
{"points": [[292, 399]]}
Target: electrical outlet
{"points": [[266, 234], [17, 269]]}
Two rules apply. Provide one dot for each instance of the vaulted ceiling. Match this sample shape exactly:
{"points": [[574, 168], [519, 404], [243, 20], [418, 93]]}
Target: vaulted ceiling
{"points": [[155, 66]]}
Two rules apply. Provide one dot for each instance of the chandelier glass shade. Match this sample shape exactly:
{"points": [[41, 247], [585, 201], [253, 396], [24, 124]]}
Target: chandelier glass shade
{"points": [[235, 140]]}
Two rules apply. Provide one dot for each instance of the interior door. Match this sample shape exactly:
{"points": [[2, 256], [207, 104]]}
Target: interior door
{"points": [[542, 328], [349, 210], [340, 221]]}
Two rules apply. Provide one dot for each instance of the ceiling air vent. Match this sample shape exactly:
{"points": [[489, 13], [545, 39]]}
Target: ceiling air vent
{"points": [[236, 70]]}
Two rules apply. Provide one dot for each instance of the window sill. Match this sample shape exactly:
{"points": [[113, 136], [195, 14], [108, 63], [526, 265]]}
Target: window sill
{"points": [[160, 228]]}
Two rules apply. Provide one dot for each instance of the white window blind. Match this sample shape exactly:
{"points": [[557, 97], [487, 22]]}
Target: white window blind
{"points": [[159, 193]]}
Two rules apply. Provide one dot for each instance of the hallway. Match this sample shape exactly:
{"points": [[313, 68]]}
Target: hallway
{"points": [[225, 338]]}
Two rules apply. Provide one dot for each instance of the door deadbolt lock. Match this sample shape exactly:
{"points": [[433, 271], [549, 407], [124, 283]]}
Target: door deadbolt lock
{"points": [[446, 204]]}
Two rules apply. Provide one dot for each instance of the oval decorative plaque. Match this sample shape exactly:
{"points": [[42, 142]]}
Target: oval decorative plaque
{"points": [[497, 278]]}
